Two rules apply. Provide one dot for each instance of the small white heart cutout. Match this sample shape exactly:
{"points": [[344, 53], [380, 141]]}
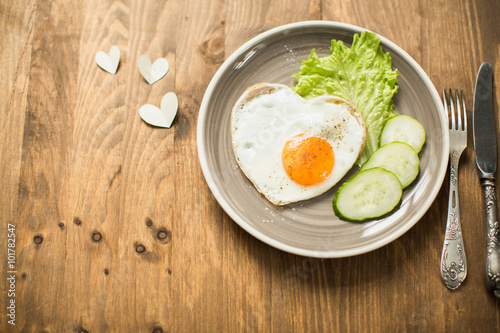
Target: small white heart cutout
{"points": [[110, 62], [164, 116], [152, 72]]}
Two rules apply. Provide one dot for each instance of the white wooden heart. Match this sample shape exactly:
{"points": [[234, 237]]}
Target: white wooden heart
{"points": [[152, 72], [109, 62], [164, 116]]}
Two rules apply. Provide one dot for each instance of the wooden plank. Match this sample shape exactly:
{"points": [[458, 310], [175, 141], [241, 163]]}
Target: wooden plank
{"points": [[17, 23], [197, 239], [100, 249], [44, 169], [148, 187]]}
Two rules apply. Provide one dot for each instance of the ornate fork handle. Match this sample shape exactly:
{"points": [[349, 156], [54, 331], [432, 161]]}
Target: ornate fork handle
{"points": [[453, 261]]}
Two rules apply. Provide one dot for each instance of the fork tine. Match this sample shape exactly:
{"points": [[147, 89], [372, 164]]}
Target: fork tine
{"points": [[452, 110], [459, 111], [464, 110], [445, 104]]}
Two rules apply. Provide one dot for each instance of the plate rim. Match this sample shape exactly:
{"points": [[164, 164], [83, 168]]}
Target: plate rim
{"points": [[202, 154]]}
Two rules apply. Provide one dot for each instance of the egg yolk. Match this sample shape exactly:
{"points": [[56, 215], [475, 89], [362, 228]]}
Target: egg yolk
{"points": [[307, 159]]}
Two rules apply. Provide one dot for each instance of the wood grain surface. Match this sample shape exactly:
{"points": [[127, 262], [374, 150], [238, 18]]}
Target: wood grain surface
{"points": [[115, 227]]}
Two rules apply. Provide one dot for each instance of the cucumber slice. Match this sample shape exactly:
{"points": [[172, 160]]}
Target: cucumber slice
{"points": [[403, 129], [370, 194], [397, 157]]}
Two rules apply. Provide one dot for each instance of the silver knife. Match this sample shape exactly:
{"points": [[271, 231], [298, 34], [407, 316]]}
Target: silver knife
{"points": [[485, 147]]}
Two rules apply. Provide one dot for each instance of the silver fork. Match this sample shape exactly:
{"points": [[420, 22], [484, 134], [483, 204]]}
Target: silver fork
{"points": [[453, 262]]}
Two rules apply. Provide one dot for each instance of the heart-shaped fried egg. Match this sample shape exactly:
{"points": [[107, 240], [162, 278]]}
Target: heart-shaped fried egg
{"points": [[294, 149]]}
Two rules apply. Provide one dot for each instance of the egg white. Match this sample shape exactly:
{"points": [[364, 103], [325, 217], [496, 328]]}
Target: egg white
{"points": [[267, 115]]}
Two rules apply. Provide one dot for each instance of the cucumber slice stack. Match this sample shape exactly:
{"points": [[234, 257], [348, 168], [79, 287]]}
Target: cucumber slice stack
{"points": [[377, 189]]}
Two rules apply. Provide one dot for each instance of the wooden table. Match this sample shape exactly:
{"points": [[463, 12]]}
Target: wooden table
{"points": [[115, 227]]}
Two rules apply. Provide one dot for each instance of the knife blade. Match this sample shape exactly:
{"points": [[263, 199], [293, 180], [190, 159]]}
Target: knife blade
{"points": [[485, 147]]}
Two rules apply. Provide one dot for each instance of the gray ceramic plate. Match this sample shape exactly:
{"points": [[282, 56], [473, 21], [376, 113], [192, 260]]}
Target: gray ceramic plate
{"points": [[310, 228]]}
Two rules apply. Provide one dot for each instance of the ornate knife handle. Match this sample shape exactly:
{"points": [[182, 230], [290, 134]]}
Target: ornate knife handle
{"points": [[453, 261], [492, 241]]}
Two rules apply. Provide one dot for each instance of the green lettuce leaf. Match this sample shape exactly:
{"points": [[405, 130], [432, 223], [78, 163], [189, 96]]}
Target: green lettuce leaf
{"points": [[361, 74]]}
